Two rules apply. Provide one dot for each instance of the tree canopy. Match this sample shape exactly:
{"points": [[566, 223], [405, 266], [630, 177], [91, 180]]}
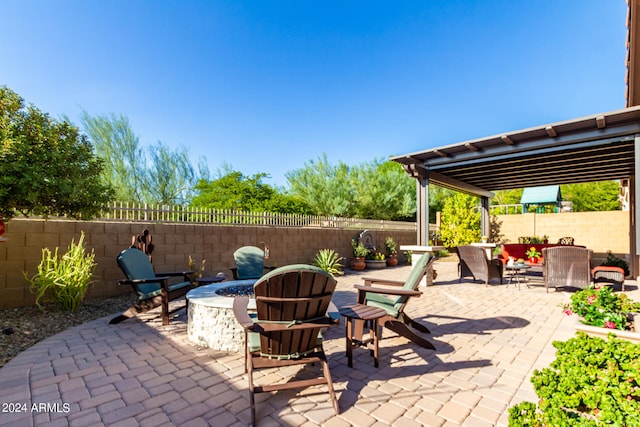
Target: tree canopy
{"points": [[378, 190], [460, 220], [151, 174], [235, 191], [47, 167]]}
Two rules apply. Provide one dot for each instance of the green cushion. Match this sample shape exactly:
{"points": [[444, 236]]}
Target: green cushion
{"points": [[250, 262], [384, 302], [392, 305]]}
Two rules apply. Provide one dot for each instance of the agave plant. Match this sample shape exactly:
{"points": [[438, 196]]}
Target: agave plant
{"points": [[330, 261]]}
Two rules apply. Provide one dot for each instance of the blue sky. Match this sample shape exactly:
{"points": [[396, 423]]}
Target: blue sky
{"points": [[267, 86]]}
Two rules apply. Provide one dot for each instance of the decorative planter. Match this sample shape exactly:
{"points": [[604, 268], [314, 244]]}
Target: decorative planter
{"points": [[595, 331], [358, 264], [375, 264], [392, 260]]}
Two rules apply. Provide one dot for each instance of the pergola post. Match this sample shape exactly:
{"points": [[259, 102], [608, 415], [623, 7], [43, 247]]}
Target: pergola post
{"points": [[422, 206], [422, 202], [485, 223]]}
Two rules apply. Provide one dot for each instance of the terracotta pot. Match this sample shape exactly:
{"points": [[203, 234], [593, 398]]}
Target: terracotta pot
{"points": [[358, 264], [392, 260]]}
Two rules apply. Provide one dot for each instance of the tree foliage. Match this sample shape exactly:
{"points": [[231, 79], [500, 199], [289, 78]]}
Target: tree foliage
{"points": [[378, 190], [236, 191], [47, 167], [592, 196], [151, 174], [460, 220]]}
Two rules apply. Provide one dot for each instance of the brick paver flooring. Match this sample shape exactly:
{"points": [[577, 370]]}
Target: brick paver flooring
{"points": [[488, 341]]}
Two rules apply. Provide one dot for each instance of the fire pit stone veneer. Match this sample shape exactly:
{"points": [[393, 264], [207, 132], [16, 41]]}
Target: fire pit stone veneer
{"points": [[211, 322]]}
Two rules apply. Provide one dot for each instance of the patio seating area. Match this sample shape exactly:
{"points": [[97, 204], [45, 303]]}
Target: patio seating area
{"points": [[488, 341]]}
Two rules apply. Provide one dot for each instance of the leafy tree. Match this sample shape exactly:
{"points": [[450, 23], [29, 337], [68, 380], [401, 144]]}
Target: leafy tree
{"points": [[460, 220], [592, 196], [171, 177], [507, 197], [326, 188], [437, 197], [119, 147], [383, 191], [246, 193], [152, 174], [46, 167], [378, 190]]}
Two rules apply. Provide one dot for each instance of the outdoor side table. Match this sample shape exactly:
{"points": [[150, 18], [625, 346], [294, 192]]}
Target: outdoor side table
{"points": [[517, 273], [356, 317]]}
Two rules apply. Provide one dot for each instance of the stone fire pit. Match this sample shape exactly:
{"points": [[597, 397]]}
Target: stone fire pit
{"points": [[211, 322]]}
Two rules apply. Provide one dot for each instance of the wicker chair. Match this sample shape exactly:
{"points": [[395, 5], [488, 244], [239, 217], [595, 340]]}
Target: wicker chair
{"points": [[474, 263], [566, 266]]}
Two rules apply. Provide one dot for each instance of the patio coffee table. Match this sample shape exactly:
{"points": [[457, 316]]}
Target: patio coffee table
{"points": [[517, 274], [356, 316]]}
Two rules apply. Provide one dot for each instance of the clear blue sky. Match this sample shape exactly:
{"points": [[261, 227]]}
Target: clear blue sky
{"points": [[269, 85]]}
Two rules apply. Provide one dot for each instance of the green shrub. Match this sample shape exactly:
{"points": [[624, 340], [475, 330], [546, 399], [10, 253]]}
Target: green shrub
{"points": [[63, 279], [600, 307], [614, 261], [592, 382], [330, 261]]}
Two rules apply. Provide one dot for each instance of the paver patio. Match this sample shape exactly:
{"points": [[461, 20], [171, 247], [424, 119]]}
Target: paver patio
{"points": [[488, 341]]}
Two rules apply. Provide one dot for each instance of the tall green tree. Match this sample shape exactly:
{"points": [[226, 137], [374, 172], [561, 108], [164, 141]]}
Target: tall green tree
{"points": [[460, 220], [119, 147], [592, 196], [379, 189], [327, 188], [47, 167], [170, 179], [151, 174], [235, 191], [383, 190]]}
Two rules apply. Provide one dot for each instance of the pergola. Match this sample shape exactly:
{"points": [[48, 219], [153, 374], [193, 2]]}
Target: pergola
{"points": [[594, 148]]}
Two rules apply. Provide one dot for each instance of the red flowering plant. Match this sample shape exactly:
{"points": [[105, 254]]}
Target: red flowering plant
{"points": [[598, 306]]}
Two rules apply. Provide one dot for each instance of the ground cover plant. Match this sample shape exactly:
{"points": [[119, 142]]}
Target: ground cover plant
{"points": [[592, 382], [599, 306]]}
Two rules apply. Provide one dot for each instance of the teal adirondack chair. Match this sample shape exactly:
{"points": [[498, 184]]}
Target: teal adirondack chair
{"points": [[152, 289], [393, 299], [249, 263]]}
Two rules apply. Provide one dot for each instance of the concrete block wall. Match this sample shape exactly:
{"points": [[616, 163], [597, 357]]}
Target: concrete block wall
{"points": [[174, 243], [599, 231]]}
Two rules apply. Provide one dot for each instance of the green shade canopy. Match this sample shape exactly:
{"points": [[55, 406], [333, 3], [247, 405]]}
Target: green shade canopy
{"points": [[548, 194]]}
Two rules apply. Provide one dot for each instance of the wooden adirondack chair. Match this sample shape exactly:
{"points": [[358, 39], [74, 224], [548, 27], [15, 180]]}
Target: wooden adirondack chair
{"points": [[249, 263], [292, 303], [152, 289], [394, 299]]}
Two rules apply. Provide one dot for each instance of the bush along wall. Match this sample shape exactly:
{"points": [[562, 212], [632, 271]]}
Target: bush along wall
{"points": [[592, 382]]}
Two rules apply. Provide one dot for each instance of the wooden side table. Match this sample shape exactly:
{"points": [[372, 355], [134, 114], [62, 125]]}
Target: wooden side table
{"points": [[356, 317]]}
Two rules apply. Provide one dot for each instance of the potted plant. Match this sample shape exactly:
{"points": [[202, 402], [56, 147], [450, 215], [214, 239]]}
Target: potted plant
{"points": [[392, 251], [359, 254], [603, 311], [375, 260], [533, 254]]}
